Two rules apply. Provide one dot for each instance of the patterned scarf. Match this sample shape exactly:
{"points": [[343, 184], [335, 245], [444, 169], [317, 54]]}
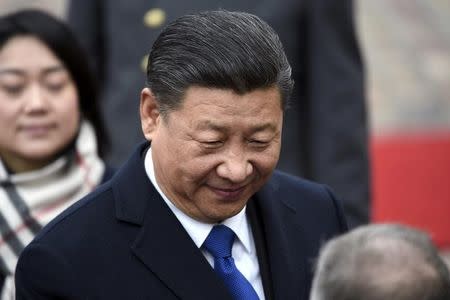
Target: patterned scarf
{"points": [[30, 200]]}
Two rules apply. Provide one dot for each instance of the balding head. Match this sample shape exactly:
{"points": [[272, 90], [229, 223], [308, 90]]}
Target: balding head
{"points": [[381, 262]]}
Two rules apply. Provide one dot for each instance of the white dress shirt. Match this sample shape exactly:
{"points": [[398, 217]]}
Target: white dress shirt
{"points": [[243, 251]]}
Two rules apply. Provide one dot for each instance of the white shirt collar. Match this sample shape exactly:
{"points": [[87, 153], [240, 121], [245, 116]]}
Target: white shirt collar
{"points": [[198, 231]]}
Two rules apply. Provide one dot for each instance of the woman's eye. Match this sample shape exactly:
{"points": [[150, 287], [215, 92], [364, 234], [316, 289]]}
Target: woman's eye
{"points": [[55, 87], [13, 90]]}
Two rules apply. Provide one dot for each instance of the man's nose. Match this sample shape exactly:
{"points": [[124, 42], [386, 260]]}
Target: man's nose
{"points": [[235, 167]]}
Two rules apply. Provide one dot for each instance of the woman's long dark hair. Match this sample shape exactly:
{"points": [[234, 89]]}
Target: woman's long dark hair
{"points": [[59, 38]]}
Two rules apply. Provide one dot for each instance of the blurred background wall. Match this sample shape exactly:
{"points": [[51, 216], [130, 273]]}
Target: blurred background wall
{"points": [[406, 46], [57, 7]]}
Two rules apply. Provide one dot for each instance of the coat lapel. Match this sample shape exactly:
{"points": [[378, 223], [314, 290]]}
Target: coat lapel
{"points": [[167, 250], [162, 244], [284, 240]]}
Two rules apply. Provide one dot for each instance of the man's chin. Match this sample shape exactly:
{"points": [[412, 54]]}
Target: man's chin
{"points": [[222, 212]]}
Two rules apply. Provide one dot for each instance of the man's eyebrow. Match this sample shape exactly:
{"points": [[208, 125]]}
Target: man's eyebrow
{"points": [[209, 125], [263, 127]]}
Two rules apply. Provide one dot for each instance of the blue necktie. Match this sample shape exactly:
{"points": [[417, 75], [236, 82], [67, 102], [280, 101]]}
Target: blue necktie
{"points": [[219, 243]]}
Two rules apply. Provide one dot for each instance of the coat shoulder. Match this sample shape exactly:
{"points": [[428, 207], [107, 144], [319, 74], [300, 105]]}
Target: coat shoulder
{"points": [[294, 187], [313, 201], [81, 214]]}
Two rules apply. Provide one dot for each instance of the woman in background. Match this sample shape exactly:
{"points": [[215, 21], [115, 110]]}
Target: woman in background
{"points": [[51, 132]]}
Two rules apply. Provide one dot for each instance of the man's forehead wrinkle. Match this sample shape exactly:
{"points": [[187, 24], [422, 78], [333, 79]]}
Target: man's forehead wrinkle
{"points": [[206, 101]]}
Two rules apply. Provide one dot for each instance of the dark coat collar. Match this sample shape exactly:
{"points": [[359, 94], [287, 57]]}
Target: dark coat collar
{"points": [[167, 250]]}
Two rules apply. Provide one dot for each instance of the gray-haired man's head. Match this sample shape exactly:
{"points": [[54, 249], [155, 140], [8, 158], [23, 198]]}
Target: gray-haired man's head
{"points": [[383, 261]]}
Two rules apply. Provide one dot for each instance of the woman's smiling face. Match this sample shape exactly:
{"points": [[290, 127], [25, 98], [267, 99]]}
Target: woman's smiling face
{"points": [[39, 107]]}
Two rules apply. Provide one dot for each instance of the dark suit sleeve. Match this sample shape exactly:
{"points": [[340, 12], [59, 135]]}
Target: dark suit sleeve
{"points": [[85, 17], [336, 121], [43, 274]]}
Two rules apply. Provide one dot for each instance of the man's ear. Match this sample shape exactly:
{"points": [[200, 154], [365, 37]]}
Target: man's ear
{"points": [[149, 112]]}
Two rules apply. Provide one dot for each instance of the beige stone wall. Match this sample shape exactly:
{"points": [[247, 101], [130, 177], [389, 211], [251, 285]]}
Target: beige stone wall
{"points": [[406, 44]]}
